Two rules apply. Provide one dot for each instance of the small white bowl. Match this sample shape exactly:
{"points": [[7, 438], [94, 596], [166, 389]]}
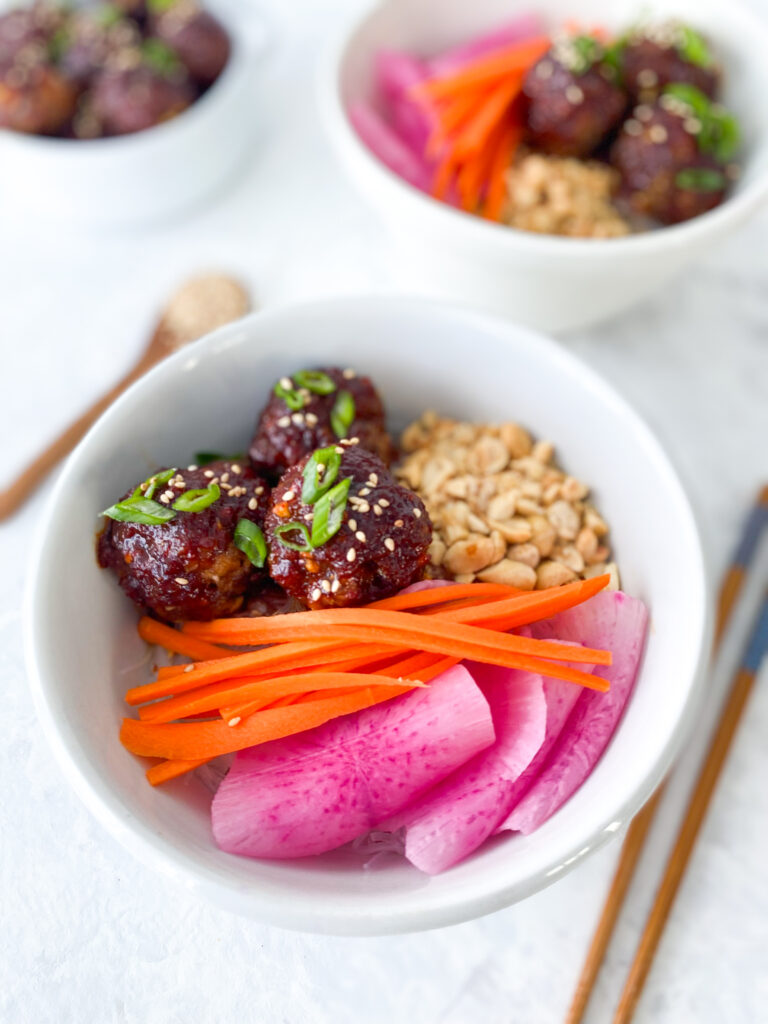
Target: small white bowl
{"points": [[148, 175], [83, 651], [543, 281]]}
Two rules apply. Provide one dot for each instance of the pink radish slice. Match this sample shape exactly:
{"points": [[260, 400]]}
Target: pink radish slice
{"points": [[313, 792], [450, 62], [389, 147], [453, 818], [611, 620], [396, 72]]}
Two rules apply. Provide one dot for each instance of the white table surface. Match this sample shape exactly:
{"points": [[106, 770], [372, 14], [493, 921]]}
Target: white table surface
{"points": [[89, 935]]}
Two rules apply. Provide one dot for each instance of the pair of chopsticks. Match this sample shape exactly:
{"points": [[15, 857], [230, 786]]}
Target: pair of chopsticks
{"points": [[735, 702]]}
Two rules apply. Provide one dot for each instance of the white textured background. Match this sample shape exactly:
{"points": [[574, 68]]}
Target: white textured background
{"points": [[86, 933]]}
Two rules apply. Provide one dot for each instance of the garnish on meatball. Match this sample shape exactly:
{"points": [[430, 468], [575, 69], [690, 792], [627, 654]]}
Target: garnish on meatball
{"points": [[200, 41], [187, 544], [654, 56], [314, 409], [96, 39], [341, 531], [574, 97], [35, 99], [674, 156]]}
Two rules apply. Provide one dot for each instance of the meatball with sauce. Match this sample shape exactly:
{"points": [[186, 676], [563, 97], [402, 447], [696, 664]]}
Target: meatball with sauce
{"points": [[26, 33], [313, 409], [96, 39], [348, 534], [657, 55], [194, 566], [673, 156], [574, 100], [35, 99], [200, 41], [139, 97]]}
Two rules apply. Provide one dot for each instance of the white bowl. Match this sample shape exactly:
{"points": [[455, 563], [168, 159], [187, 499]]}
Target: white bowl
{"points": [[545, 282], [83, 651], [148, 175]]}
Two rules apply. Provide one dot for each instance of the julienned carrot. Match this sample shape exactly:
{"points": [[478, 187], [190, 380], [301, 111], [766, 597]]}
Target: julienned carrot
{"points": [[453, 115], [154, 632], [486, 71], [261, 691], [204, 740], [490, 113], [471, 182], [167, 770], [497, 184], [444, 174], [443, 594], [530, 606]]}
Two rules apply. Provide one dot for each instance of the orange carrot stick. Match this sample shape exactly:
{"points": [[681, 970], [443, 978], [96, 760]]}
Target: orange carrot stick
{"points": [[489, 114], [154, 632], [502, 160], [487, 70], [167, 770], [441, 595]]}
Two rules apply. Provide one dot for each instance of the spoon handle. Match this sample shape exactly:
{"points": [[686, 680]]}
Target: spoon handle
{"points": [[30, 478]]}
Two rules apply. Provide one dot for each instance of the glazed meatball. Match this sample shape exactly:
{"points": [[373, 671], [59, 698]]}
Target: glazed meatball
{"points": [[574, 100], [658, 55], [35, 99], [673, 162], [382, 532], [196, 36], [26, 33], [313, 409], [190, 567], [130, 100], [97, 39]]}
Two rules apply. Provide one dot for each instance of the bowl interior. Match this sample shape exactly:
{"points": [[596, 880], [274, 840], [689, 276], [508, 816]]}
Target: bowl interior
{"points": [[429, 26], [84, 652]]}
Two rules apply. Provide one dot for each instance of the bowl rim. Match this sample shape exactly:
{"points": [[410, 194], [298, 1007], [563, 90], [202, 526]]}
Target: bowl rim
{"points": [[247, 36], [317, 913], [479, 231]]}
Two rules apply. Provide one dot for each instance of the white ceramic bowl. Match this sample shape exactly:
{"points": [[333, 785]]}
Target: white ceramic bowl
{"points": [[84, 653], [148, 175], [546, 282]]}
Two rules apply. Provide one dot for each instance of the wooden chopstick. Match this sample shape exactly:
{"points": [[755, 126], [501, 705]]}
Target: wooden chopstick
{"points": [[739, 692], [638, 831]]}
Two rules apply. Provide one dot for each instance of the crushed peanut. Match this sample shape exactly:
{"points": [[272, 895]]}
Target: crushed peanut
{"points": [[502, 509]]}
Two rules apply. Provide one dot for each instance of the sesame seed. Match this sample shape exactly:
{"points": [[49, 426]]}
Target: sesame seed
{"points": [[215, 480], [349, 374], [226, 487], [352, 524], [297, 418], [383, 502], [286, 383], [189, 668], [311, 419], [289, 495], [259, 490], [181, 581], [224, 477], [235, 469], [326, 586], [335, 585], [316, 594], [235, 721], [351, 555], [284, 421], [377, 510], [373, 479], [364, 491], [339, 450], [692, 125], [633, 127], [657, 133], [253, 504], [164, 498], [399, 523], [208, 473], [647, 78], [389, 544], [417, 513], [643, 112], [179, 485], [353, 440], [360, 536], [544, 69], [574, 95], [192, 468]]}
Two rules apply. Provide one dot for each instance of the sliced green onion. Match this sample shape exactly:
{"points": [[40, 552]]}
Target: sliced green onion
{"points": [[700, 179], [140, 510], [342, 413], [107, 15], [316, 381], [282, 533], [160, 6], [693, 47], [159, 57], [250, 540], [319, 473], [290, 396], [329, 513], [720, 134], [197, 499], [587, 51], [148, 487], [203, 458]]}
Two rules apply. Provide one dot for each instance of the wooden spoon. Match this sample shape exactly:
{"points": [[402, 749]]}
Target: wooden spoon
{"points": [[199, 306]]}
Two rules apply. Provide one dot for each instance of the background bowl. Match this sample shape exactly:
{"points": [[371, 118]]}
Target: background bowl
{"points": [[546, 282], [148, 175], [83, 651]]}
